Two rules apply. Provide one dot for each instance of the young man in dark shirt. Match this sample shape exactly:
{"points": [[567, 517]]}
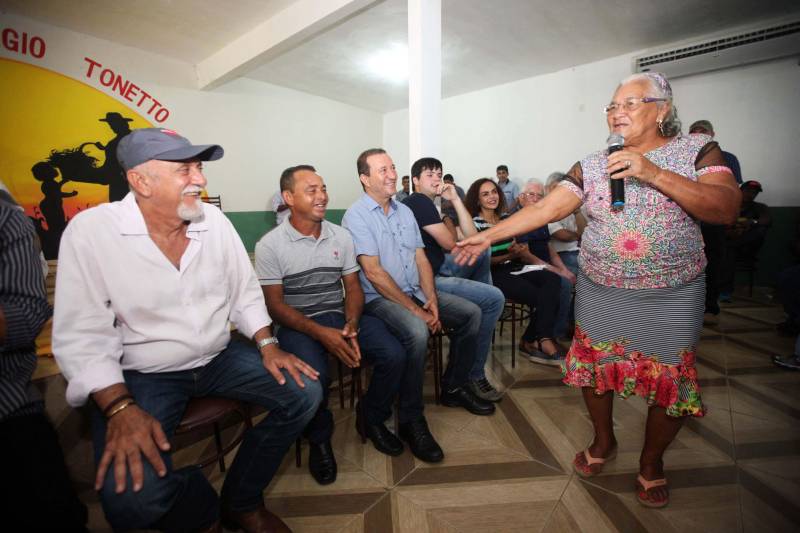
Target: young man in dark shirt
{"points": [[427, 176]]}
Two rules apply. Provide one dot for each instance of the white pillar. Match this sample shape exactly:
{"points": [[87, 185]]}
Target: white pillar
{"points": [[424, 78]]}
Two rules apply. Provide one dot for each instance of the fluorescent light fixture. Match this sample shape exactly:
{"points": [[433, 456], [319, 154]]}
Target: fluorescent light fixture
{"points": [[390, 64]]}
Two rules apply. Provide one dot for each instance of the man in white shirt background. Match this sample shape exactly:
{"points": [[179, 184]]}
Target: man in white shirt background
{"points": [[146, 290], [280, 208]]}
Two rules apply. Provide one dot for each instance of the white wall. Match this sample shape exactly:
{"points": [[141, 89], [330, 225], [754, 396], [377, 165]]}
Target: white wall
{"points": [[755, 113], [263, 128], [546, 123]]}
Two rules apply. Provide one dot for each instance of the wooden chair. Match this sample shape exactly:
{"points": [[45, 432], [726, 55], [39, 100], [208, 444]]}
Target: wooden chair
{"points": [[356, 392], [213, 200], [436, 353], [212, 410]]}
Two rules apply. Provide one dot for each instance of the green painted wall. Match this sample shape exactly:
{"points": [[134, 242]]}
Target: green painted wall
{"points": [[774, 256], [252, 225]]}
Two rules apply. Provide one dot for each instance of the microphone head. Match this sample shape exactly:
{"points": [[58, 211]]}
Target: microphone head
{"points": [[615, 139]]}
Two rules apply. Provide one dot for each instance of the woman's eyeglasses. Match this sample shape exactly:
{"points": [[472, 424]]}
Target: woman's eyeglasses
{"points": [[630, 104]]}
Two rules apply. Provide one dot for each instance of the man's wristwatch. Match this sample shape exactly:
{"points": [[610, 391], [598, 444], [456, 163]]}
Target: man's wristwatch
{"points": [[267, 341]]}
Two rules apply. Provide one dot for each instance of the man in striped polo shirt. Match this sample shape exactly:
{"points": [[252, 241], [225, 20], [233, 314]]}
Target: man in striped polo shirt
{"points": [[308, 272]]}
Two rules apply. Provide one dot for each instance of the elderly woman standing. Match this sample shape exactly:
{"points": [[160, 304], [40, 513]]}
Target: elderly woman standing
{"points": [[640, 291]]}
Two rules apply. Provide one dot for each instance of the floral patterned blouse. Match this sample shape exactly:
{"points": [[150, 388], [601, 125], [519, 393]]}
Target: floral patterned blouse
{"points": [[652, 242]]}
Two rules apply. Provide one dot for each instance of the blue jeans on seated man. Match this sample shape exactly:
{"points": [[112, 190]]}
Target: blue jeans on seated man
{"points": [[378, 347], [460, 316], [491, 302], [570, 260], [183, 499], [480, 271]]}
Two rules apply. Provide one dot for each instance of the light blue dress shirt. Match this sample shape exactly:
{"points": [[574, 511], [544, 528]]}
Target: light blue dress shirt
{"points": [[393, 238]]}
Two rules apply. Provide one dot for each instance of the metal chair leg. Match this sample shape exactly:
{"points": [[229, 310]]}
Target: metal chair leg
{"points": [[440, 354], [361, 424], [355, 375], [437, 372], [218, 442], [341, 383], [513, 335]]}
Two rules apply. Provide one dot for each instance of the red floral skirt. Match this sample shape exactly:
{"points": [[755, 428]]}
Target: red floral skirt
{"points": [[606, 366]]}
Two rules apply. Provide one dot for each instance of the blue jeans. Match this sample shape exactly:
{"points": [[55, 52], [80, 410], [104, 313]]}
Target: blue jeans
{"points": [[378, 347], [490, 300], [461, 316], [183, 499], [570, 260], [480, 271]]}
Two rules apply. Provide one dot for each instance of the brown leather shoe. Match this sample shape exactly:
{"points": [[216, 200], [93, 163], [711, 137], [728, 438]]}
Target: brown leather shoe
{"points": [[258, 520]]}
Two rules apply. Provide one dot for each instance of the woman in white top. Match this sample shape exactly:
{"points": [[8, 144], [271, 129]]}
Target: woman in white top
{"points": [[565, 237]]}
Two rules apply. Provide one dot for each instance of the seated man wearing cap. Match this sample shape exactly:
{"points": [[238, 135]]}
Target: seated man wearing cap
{"points": [[145, 292]]}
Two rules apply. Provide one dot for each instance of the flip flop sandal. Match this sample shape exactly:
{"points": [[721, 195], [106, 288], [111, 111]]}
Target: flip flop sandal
{"points": [[591, 461], [536, 349], [643, 488]]}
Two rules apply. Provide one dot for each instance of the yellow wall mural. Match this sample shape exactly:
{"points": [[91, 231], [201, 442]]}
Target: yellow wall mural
{"points": [[58, 146]]}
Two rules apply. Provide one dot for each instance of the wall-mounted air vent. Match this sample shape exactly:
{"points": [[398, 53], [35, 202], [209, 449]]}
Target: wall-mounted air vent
{"points": [[749, 47]]}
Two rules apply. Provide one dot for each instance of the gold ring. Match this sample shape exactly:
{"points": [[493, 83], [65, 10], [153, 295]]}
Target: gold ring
{"points": [[627, 164]]}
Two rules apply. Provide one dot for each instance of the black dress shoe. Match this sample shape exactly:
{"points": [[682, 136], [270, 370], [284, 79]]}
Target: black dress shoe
{"points": [[384, 440], [462, 397], [322, 463], [419, 439]]}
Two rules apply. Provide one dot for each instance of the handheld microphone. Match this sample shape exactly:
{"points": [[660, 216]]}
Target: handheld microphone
{"points": [[615, 143]]}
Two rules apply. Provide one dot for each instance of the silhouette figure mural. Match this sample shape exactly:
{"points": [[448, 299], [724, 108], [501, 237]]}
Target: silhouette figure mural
{"points": [[58, 149], [51, 207], [78, 166]]}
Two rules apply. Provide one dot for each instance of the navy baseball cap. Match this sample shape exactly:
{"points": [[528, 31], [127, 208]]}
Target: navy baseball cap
{"points": [[144, 144], [751, 184]]}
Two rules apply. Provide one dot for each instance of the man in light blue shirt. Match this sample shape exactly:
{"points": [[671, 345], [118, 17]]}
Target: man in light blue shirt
{"points": [[399, 288], [389, 232]]}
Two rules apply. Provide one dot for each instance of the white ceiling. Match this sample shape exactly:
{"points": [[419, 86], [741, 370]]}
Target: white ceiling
{"points": [[188, 30], [485, 42]]}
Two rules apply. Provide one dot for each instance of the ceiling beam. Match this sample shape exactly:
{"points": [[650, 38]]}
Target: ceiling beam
{"points": [[274, 36]]}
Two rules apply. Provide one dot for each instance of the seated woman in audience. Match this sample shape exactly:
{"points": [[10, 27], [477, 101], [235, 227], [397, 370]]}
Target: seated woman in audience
{"points": [[538, 289]]}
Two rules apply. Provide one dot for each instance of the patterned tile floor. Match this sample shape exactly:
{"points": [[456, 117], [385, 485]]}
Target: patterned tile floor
{"points": [[738, 469]]}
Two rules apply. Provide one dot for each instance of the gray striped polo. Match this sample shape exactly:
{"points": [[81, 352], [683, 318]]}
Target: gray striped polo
{"points": [[309, 269]]}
